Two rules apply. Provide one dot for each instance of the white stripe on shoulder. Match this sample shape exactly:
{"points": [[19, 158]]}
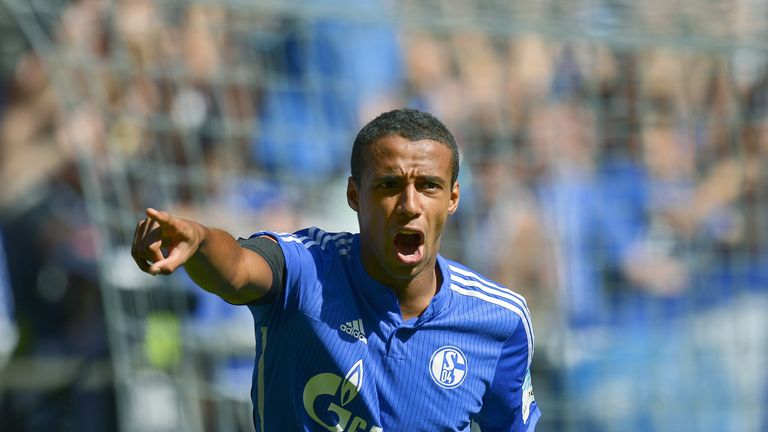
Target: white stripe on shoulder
{"points": [[501, 292], [486, 282], [505, 305], [317, 237], [304, 241], [321, 235], [496, 290], [333, 237], [344, 241]]}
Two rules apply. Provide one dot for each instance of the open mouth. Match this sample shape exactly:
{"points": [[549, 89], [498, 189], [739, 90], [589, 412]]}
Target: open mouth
{"points": [[408, 245]]}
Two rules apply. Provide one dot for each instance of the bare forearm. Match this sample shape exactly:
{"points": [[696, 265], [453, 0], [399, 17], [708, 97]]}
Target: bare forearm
{"points": [[213, 259], [222, 267]]}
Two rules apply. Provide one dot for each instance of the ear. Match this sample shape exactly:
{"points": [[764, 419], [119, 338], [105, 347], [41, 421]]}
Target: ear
{"points": [[454, 203], [353, 196]]}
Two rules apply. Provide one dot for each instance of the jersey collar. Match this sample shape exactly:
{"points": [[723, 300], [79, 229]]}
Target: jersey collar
{"points": [[384, 301]]}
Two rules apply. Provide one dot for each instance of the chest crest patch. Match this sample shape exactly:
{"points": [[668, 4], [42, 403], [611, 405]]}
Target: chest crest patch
{"points": [[448, 367]]}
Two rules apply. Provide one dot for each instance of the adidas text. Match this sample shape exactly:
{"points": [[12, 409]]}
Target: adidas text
{"points": [[354, 329]]}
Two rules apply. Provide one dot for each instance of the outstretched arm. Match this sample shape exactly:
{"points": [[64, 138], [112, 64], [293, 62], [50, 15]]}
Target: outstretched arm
{"points": [[213, 259]]}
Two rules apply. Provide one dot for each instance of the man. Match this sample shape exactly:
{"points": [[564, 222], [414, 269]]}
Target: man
{"points": [[372, 331]]}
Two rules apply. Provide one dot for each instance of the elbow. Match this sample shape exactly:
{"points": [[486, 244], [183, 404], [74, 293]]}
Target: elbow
{"points": [[242, 294]]}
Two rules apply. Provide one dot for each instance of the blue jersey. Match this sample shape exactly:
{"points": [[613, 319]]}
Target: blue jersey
{"points": [[333, 352]]}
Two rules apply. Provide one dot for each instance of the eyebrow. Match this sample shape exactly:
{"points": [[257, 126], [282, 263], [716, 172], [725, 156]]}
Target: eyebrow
{"points": [[397, 177], [433, 179], [387, 177]]}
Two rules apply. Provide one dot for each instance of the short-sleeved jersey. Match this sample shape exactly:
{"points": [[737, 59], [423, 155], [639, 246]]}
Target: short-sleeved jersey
{"points": [[333, 352]]}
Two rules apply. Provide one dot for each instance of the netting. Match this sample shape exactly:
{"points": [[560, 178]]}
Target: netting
{"points": [[613, 171]]}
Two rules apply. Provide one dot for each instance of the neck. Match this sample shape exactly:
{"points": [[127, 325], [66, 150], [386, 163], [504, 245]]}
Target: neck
{"points": [[414, 295]]}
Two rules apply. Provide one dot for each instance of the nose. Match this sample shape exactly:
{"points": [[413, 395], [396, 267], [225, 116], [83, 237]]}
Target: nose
{"points": [[408, 203]]}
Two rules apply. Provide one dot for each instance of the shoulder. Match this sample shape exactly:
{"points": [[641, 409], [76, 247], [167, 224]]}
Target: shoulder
{"points": [[321, 245], [479, 291], [312, 256], [472, 285], [314, 237], [506, 309]]}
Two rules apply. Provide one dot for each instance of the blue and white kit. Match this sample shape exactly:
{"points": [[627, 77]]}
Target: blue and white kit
{"points": [[333, 352]]}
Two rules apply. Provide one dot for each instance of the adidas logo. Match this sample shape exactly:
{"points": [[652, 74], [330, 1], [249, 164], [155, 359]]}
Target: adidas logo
{"points": [[354, 329]]}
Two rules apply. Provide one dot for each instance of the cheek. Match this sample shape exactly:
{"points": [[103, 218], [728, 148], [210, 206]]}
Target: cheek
{"points": [[440, 224], [373, 213], [381, 208], [438, 220]]}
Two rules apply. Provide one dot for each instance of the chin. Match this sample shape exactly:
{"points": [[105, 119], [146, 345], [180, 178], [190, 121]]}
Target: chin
{"points": [[407, 270], [401, 275]]}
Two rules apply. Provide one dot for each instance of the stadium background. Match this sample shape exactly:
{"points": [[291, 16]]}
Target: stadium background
{"points": [[614, 172]]}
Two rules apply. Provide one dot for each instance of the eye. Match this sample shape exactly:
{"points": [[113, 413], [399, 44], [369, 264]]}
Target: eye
{"points": [[389, 184]]}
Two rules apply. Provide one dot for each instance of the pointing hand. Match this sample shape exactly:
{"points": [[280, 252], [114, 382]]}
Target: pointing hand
{"points": [[162, 242]]}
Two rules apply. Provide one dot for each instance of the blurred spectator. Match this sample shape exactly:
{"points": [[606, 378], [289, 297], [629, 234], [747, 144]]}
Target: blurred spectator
{"points": [[25, 138], [561, 139], [498, 204], [430, 81], [327, 76], [51, 250]]}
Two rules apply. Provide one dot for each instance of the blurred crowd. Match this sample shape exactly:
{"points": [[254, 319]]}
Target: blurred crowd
{"points": [[621, 188]]}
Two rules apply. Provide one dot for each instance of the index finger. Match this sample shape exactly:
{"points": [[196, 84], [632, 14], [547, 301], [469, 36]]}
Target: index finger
{"points": [[161, 217]]}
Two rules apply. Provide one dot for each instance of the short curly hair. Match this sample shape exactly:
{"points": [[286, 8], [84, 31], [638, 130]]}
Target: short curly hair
{"points": [[410, 124]]}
